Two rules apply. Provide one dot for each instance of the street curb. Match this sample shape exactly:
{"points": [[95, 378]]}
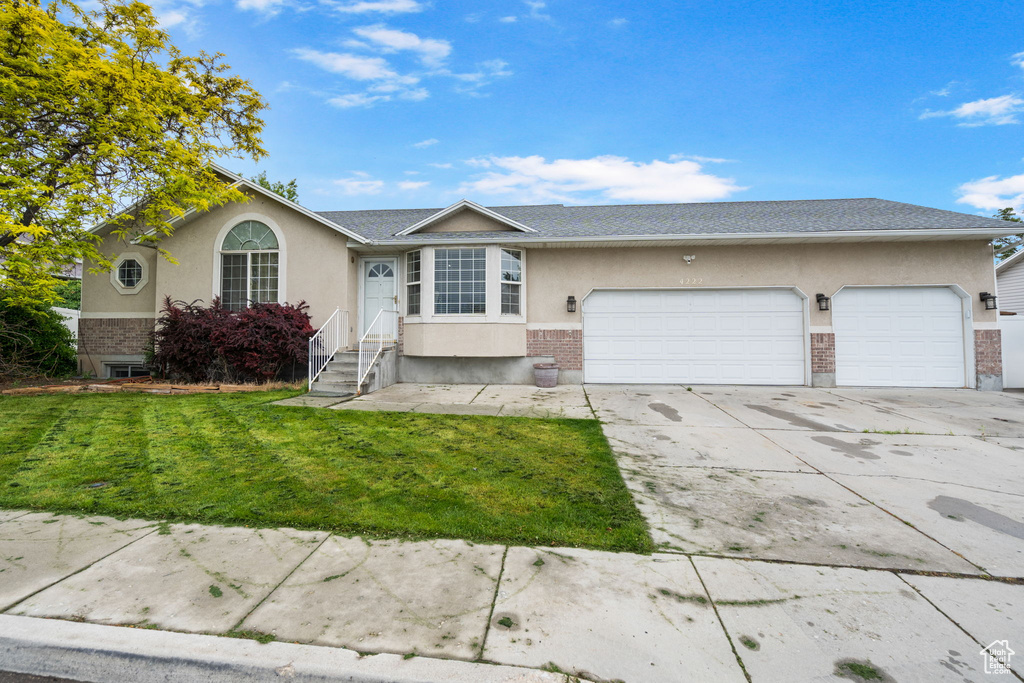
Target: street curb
{"points": [[98, 654]]}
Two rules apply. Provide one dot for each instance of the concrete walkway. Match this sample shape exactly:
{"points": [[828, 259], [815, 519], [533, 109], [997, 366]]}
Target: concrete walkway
{"points": [[804, 535], [510, 400]]}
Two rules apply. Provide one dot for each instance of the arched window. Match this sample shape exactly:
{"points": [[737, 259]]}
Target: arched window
{"points": [[249, 265]]}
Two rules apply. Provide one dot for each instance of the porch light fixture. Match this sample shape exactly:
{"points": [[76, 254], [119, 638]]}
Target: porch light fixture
{"points": [[990, 301], [570, 304], [823, 302]]}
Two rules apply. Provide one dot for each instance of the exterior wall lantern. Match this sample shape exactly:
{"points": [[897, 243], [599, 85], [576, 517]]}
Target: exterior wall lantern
{"points": [[990, 301], [570, 304], [823, 302]]}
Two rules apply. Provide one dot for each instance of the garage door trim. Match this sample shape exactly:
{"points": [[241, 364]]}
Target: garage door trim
{"points": [[967, 320], [791, 288]]}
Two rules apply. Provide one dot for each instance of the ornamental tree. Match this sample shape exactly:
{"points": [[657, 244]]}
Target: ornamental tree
{"points": [[103, 119], [1005, 247]]}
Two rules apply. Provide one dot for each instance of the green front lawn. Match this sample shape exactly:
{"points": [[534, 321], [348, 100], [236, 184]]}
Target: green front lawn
{"points": [[235, 459]]}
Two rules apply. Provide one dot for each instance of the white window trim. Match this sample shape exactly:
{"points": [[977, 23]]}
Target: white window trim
{"points": [[282, 260], [134, 256], [492, 256], [406, 283], [519, 283]]}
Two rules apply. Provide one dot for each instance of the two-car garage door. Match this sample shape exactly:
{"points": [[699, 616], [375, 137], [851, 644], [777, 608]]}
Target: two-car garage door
{"points": [[884, 336], [724, 336]]}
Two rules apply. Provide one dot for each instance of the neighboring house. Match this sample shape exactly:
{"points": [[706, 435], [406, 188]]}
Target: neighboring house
{"points": [[823, 292], [1010, 284]]}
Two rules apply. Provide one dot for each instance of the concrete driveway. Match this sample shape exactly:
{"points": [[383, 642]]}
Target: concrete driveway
{"points": [[926, 480]]}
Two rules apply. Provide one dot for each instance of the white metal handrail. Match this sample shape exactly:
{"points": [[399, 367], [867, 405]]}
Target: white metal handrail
{"points": [[332, 336], [379, 335]]}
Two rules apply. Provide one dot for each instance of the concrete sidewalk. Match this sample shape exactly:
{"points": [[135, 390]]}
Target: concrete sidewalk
{"points": [[599, 615]]}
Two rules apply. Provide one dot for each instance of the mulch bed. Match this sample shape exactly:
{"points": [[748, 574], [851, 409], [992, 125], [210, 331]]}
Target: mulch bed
{"points": [[134, 385]]}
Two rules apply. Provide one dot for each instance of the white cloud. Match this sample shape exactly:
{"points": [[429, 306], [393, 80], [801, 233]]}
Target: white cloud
{"points": [[353, 66], [412, 184], [426, 143], [431, 51], [267, 7], [382, 6], [360, 183], [508, 20], [608, 178], [1018, 60], [994, 111], [442, 165], [417, 95], [537, 8], [993, 193], [618, 22], [358, 99], [700, 159]]}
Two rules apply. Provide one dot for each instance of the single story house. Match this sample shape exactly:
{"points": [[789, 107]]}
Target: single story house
{"points": [[1010, 283], [849, 292]]}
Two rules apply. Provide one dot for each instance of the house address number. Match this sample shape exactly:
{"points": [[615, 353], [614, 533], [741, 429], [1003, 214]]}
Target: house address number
{"points": [[692, 281]]}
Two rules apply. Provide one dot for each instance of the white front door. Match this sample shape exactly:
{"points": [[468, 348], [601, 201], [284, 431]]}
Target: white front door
{"points": [[666, 336], [899, 337], [378, 289]]}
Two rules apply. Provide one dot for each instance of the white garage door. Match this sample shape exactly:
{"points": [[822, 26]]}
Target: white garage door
{"points": [[723, 336], [898, 337]]}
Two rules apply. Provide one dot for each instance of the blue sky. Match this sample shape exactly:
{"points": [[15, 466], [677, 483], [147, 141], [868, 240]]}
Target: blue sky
{"points": [[404, 103]]}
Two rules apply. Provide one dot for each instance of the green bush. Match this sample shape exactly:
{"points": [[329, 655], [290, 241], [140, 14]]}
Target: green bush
{"points": [[34, 341]]}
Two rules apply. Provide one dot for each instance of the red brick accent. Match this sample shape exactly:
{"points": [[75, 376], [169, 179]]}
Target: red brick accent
{"points": [[565, 345], [118, 336], [988, 352], [823, 352], [401, 335]]}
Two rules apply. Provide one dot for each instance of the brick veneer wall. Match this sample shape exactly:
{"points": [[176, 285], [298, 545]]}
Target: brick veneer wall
{"points": [[114, 336], [401, 335], [823, 352], [988, 352], [565, 345]]}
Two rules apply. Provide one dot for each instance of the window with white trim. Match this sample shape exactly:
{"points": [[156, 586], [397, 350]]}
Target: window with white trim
{"points": [[511, 281], [412, 283], [250, 259], [460, 281], [129, 273]]}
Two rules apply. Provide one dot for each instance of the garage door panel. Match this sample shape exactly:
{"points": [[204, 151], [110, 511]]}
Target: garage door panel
{"points": [[694, 336], [899, 336]]}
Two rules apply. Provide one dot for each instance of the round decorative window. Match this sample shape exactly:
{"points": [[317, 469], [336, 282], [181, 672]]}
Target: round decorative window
{"points": [[129, 273]]}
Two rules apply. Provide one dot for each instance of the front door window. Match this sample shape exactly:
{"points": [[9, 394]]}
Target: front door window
{"points": [[378, 290]]}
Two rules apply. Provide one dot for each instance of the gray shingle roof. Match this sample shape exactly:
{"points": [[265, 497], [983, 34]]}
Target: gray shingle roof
{"points": [[555, 221]]}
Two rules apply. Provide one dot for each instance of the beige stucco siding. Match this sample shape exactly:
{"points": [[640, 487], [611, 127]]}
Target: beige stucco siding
{"points": [[468, 221], [100, 296], [463, 340], [314, 257], [554, 274]]}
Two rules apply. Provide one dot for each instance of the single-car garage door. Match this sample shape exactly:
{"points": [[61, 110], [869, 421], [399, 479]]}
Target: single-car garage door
{"points": [[718, 336], [899, 337]]}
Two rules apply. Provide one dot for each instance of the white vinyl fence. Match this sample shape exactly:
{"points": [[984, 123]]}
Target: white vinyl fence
{"points": [[1012, 327]]}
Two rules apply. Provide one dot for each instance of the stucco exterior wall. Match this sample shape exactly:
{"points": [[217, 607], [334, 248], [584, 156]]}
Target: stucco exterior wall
{"points": [[554, 274], [464, 339], [467, 221], [100, 297], [315, 258]]}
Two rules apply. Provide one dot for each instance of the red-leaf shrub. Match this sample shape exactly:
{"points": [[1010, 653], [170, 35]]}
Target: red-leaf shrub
{"points": [[198, 344]]}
